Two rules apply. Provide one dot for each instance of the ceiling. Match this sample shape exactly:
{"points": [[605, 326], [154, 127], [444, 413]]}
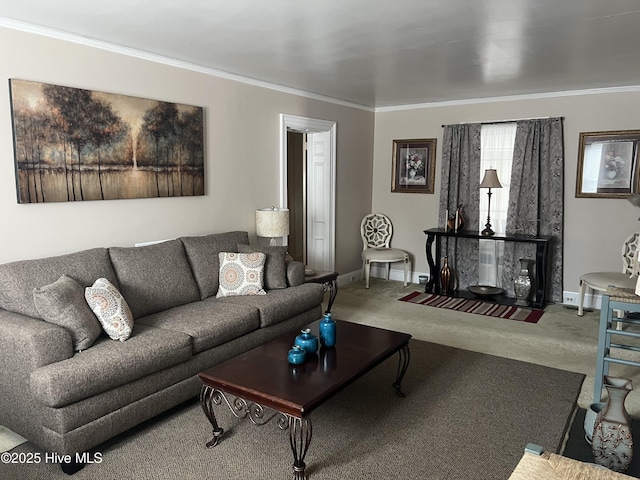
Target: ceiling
{"points": [[373, 53]]}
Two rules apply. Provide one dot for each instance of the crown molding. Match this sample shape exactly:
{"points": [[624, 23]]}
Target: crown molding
{"points": [[511, 98], [132, 52]]}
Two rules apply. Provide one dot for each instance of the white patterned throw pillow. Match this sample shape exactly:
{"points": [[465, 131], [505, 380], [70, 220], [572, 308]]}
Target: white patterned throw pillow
{"points": [[110, 307], [241, 274]]}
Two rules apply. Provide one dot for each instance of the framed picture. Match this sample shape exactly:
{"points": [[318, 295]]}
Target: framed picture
{"points": [[72, 144], [608, 164], [414, 166]]}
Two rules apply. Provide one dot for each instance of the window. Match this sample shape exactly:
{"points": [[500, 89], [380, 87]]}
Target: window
{"points": [[496, 145]]}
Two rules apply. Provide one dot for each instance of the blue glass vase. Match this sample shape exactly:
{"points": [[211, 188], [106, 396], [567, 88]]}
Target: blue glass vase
{"points": [[307, 341], [296, 355], [328, 331]]}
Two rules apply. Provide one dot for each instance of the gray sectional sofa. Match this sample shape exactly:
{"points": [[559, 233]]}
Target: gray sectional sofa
{"points": [[67, 402]]}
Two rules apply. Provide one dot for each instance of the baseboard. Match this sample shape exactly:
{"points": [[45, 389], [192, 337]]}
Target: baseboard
{"points": [[568, 298], [590, 300], [397, 274], [379, 272]]}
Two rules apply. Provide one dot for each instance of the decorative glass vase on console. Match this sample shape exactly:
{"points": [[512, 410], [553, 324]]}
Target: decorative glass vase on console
{"points": [[445, 277], [522, 283]]}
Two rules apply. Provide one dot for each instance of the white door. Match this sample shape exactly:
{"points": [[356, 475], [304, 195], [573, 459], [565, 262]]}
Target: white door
{"points": [[318, 200], [321, 181]]}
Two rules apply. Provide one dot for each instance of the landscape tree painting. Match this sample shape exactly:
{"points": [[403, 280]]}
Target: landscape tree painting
{"points": [[72, 144]]}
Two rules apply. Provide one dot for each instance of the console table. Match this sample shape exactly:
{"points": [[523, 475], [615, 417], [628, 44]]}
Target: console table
{"points": [[542, 257]]}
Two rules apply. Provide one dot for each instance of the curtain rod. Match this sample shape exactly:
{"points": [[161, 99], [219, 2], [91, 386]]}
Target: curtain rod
{"points": [[495, 122]]}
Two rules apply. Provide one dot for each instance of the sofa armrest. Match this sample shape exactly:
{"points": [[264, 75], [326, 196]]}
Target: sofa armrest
{"points": [[28, 343], [295, 273]]}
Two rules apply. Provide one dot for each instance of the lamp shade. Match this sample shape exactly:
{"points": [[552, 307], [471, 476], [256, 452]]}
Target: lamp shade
{"points": [[272, 222], [490, 179]]}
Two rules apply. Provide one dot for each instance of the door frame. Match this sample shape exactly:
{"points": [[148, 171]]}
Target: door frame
{"points": [[311, 125]]}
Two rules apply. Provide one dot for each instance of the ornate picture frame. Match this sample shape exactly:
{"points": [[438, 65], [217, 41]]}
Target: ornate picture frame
{"points": [[413, 166], [608, 164]]}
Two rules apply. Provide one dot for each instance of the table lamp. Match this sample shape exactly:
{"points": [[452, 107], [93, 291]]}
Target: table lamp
{"points": [[272, 222], [489, 181]]}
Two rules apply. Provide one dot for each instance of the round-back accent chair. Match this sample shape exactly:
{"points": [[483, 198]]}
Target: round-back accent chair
{"points": [[376, 231]]}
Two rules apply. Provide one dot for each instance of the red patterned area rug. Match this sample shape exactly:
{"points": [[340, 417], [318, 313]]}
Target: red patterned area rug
{"points": [[511, 312]]}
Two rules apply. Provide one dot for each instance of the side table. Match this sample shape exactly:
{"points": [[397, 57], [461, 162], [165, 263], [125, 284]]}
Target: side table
{"points": [[329, 281]]}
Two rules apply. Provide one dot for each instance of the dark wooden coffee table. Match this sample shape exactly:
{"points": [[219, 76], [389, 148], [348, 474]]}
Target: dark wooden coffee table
{"points": [[266, 386]]}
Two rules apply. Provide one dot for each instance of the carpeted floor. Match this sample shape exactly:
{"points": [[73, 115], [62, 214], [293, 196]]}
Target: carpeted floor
{"points": [[560, 339], [466, 416]]}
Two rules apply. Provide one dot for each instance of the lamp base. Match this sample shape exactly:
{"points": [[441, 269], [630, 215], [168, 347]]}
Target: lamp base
{"points": [[487, 232]]}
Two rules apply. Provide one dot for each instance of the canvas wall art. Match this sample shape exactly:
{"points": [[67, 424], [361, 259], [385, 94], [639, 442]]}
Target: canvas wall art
{"points": [[72, 144]]}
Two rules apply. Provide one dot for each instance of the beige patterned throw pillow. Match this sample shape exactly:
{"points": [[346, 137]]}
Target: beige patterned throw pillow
{"points": [[111, 309], [241, 274]]}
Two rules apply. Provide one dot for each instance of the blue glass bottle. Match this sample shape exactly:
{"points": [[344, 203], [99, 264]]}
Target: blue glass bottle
{"points": [[328, 331], [296, 355], [307, 341]]}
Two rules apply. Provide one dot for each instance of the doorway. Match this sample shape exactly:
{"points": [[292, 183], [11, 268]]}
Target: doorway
{"points": [[307, 189]]}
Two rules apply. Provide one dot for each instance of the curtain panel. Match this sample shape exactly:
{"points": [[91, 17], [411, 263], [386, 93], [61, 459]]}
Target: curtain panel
{"points": [[536, 199], [460, 180]]}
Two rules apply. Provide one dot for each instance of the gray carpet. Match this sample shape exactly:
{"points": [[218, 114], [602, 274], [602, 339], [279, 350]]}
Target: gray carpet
{"points": [[466, 416]]}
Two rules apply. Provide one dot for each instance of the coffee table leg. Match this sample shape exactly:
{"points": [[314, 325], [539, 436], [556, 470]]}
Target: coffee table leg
{"points": [[207, 400], [403, 363], [300, 432]]}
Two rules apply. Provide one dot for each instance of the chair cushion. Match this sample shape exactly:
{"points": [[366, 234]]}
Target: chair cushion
{"points": [[111, 308], [108, 364], [241, 274], [209, 322], [62, 303], [275, 269], [602, 280], [384, 255], [202, 253], [154, 277]]}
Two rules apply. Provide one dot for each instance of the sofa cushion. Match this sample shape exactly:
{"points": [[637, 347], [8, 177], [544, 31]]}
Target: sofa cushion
{"points": [[62, 303], [279, 305], [154, 277], [202, 253], [209, 323], [18, 279], [295, 273], [108, 364], [275, 269], [241, 274], [111, 308]]}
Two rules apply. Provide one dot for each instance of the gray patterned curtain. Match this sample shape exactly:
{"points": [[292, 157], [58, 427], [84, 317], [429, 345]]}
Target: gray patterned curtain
{"points": [[460, 180], [536, 199]]}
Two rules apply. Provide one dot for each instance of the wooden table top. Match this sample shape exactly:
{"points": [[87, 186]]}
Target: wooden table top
{"points": [[264, 376]]}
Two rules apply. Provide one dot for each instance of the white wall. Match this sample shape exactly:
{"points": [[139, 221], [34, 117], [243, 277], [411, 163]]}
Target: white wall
{"points": [[241, 155], [594, 228]]}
